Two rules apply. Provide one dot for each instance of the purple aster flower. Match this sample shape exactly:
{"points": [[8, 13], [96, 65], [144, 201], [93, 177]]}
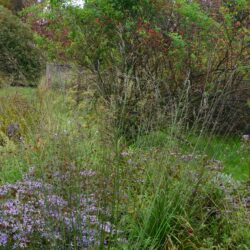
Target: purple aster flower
{"points": [[3, 239], [10, 208]]}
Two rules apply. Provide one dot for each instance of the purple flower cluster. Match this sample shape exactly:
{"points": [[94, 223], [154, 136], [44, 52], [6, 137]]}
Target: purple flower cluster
{"points": [[32, 213], [3, 239]]}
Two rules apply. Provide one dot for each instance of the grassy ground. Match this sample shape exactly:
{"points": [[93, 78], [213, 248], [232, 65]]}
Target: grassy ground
{"points": [[29, 93], [233, 153], [160, 190]]}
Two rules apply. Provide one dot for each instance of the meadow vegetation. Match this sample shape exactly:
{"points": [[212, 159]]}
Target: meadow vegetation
{"points": [[143, 148], [158, 192]]}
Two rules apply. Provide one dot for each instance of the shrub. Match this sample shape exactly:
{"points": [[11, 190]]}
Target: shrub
{"points": [[146, 66], [149, 57], [19, 57]]}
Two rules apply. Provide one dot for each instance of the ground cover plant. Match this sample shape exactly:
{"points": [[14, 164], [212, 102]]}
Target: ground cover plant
{"points": [[141, 149]]}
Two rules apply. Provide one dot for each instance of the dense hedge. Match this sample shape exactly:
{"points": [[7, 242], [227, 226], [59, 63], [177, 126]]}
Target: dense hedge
{"points": [[20, 60]]}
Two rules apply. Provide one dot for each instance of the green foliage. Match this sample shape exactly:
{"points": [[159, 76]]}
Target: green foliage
{"points": [[19, 57]]}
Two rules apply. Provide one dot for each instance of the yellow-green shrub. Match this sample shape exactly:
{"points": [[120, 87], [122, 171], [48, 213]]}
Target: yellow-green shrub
{"points": [[19, 56]]}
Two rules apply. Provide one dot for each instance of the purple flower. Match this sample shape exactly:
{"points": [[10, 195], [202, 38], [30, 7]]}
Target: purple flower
{"points": [[57, 201], [30, 208], [124, 153], [106, 227], [10, 208], [87, 172], [3, 239]]}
